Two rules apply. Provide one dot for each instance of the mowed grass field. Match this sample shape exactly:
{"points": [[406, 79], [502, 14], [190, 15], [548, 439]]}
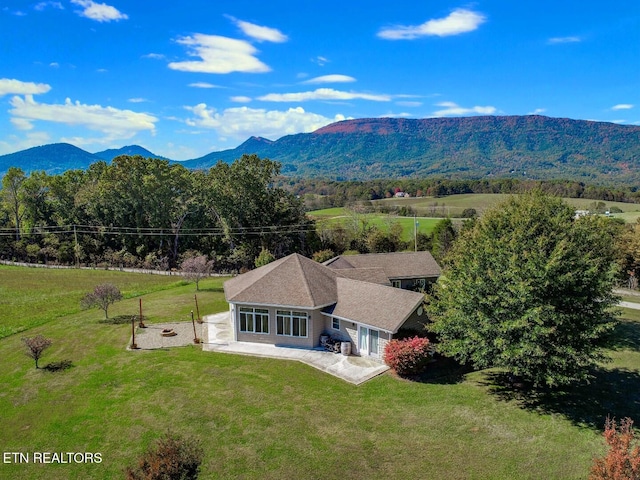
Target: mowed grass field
{"points": [[431, 209], [261, 418], [341, 216], [455, 204]]}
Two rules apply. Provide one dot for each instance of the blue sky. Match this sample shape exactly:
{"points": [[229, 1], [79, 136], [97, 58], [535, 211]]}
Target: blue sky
{"points": [[184, 79]]}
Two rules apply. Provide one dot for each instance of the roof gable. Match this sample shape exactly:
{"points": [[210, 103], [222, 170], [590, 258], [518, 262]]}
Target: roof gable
{"points": [[294, 281]]}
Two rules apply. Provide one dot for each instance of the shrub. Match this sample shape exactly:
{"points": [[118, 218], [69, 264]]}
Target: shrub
{"points": [[264, 257], [171, 457], [469, 213], [323, 255], [409, 356], [622, 461]]}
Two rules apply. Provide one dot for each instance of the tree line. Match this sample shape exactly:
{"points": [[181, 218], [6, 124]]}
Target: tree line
{"points": [[150, 213], [321, 193], [147, 212]]}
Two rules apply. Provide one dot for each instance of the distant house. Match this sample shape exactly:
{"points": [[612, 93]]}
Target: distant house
{"points": [[401, 195], [294, 300]]}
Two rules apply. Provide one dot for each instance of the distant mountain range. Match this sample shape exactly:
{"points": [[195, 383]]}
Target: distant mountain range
{"points": [[529, 146]]}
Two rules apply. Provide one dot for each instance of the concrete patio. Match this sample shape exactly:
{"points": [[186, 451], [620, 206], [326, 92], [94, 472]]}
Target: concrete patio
{"points": [[217, 336]]}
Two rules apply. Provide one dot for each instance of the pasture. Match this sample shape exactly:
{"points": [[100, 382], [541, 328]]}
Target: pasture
{"points": [[342, 216], [455, 204], [271, 419]]}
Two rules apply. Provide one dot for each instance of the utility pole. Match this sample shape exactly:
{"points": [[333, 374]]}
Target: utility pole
{"points": [[415, 232], [76, 249]]}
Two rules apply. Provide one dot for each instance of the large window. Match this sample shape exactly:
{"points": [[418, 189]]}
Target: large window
{"points": [[291, 324], [254, 320]]}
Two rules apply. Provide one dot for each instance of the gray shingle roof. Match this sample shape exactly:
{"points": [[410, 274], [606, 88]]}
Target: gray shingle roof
{"points": [[372, 275], [297, 281], [294, 281], [396, 265], [377, 305]]}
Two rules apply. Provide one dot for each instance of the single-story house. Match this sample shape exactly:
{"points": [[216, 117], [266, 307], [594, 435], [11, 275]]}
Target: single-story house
{"points": [[408, 270], [294, 300]]}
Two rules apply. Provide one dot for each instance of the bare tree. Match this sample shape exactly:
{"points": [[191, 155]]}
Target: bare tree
{"points": [[36, 346], [102, 296], [196, 268]]}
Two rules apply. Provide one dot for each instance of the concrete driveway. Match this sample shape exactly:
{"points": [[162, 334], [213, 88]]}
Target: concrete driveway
{"points": [[217, 336]]}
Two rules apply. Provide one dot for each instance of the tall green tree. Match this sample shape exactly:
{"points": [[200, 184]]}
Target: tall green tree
{"points": [[442, 238], [12, 195], [530, 289], [251, 211]]}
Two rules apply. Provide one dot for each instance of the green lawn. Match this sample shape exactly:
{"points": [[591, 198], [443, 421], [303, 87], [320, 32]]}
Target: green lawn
{"points": [[27, 301], [340, 216], [265, 418]]}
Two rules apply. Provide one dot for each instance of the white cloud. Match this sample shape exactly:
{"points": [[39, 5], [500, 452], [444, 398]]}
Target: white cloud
{"points": [[111, 121], [137, 100], [622, 106], [16, 87], [320, 60], [240, 99], [219, 55], [100, 12], [459, 21], [155, 56], [44, 5], [451, 108], [260, 33], [537, 111], [204, 85], [331, 79], [243, 122], [54, 65], [557, 40], [323, 94]]}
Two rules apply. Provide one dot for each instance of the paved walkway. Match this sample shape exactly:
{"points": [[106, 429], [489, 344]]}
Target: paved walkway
{"points": [[218, 337], [635, 306]]}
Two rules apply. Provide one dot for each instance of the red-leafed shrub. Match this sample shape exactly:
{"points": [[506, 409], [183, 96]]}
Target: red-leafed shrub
{"points": [[172, 457], [622, 461], [409, 356]]}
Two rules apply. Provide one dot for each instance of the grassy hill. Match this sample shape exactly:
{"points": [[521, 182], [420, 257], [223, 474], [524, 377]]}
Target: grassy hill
{"points": [[271, 419]]}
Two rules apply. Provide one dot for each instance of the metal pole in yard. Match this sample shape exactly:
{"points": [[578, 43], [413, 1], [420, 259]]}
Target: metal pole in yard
{"points": [[415, 232], [141, 323], [197, 309], [133, 332], [195, 335]]}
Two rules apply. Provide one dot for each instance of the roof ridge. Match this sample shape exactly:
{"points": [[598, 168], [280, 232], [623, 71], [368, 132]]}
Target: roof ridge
{"points": [[326, 271]]}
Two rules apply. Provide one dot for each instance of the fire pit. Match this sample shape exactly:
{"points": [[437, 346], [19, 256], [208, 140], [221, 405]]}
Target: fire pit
{"points": [[168, 332]]}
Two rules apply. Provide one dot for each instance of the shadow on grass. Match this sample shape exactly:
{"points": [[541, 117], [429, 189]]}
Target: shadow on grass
{"points": [[58, 366], [442, 371], [210, 289], [626, 335], [121, 319], [612, 393]]}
